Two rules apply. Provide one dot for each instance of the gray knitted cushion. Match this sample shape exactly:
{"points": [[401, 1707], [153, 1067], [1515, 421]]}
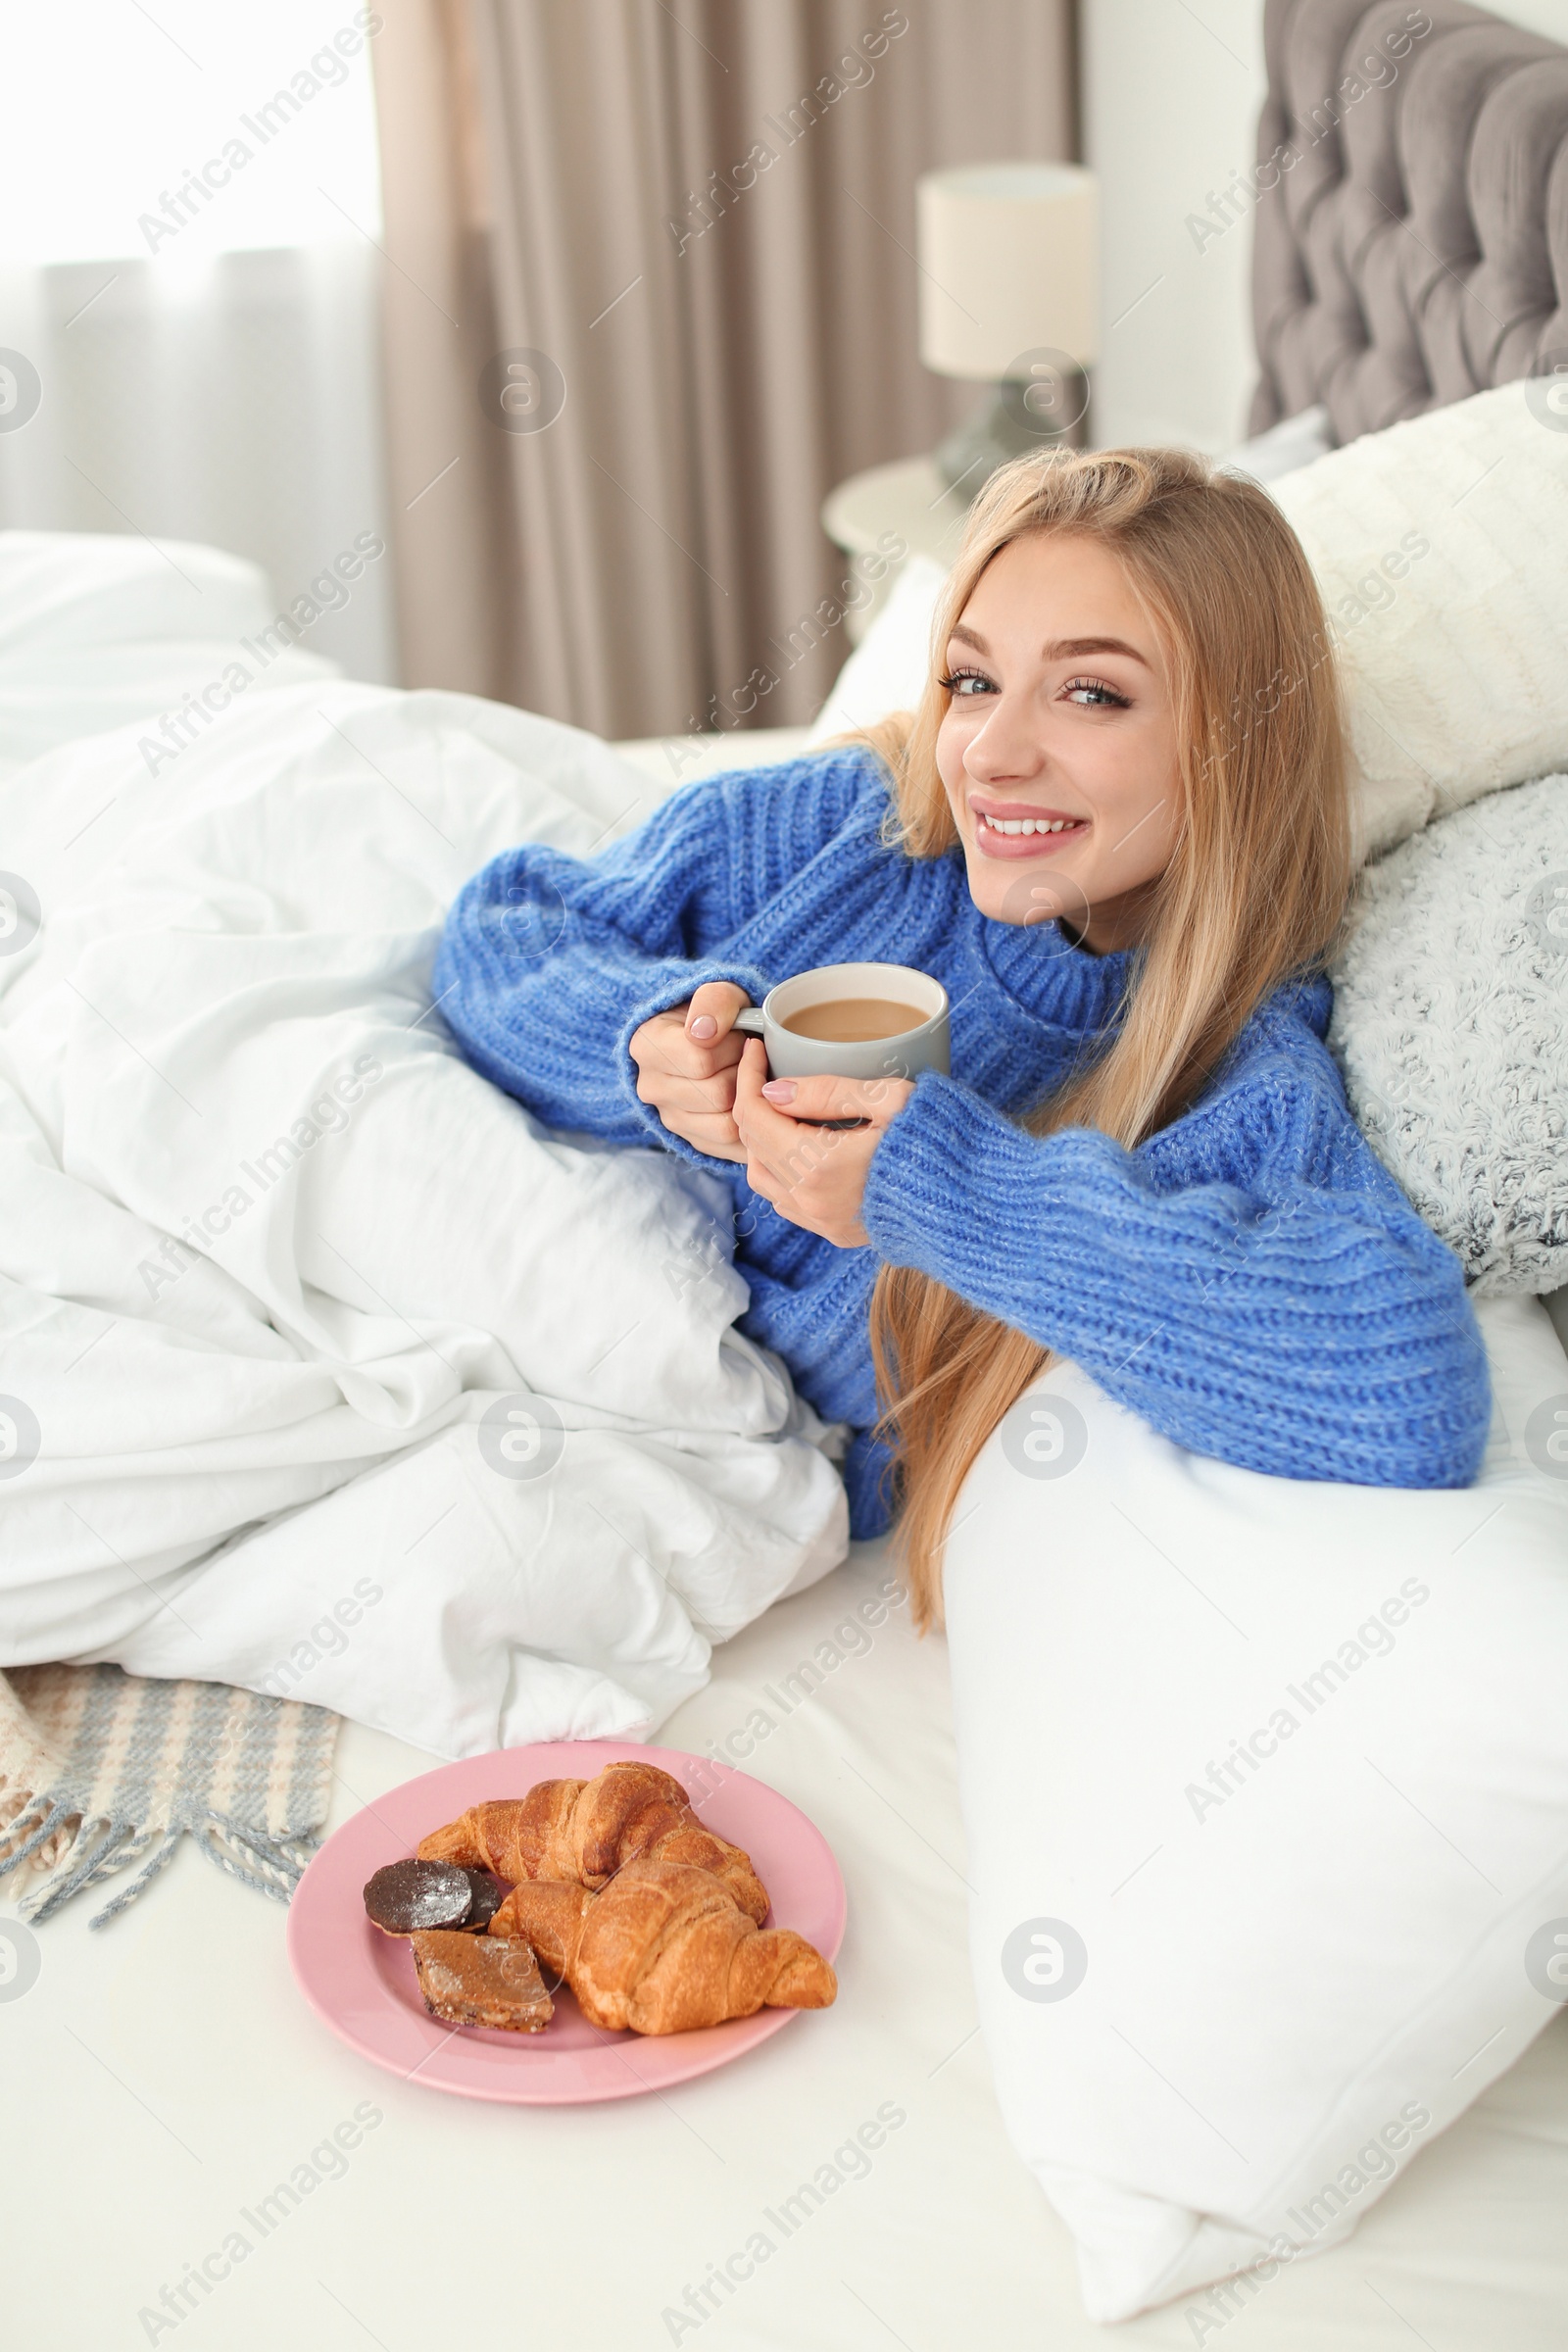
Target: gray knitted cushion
{"points": [[1450, 1026]]}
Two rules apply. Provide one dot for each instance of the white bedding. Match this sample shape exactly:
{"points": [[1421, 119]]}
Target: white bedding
{"points": [[187, 2036], [223, 1035]]}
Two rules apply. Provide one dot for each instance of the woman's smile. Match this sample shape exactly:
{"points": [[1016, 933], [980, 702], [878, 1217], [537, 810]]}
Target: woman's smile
{"points": [[1019, 829]]}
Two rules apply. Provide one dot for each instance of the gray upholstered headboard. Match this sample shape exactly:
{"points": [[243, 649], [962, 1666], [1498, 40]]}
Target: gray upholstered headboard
{"points": [[1415, 250]]}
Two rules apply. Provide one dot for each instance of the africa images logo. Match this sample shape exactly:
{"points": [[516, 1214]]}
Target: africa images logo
{"points": [[1546, 1960], [1044, 1959], [21, 391], [1547, 391], [521, 1437], [1045, 1436]]}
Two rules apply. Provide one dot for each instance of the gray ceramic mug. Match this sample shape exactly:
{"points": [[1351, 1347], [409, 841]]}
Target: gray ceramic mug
{"points": [[922, 1046]]}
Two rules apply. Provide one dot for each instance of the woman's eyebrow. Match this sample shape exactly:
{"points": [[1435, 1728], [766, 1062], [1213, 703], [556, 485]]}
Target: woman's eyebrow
{"points": [[1064, 649], [1073, 649]]}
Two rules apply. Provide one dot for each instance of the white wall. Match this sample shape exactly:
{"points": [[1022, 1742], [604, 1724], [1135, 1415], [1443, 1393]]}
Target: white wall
{"points": [[1550, 16], [1171, 94]]}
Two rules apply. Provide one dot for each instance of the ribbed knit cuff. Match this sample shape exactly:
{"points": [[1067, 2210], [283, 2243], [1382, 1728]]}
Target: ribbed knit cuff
{"points": [[921, 1172], [679, 989]]}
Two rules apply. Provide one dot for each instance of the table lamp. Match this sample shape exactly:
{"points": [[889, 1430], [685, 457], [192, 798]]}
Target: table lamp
{"points": [[1008, 272]]}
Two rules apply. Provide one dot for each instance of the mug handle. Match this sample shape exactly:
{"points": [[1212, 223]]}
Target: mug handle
{"points": [[752, 1023]]}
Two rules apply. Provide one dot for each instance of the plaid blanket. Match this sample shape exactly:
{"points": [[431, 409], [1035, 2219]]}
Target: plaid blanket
{"points": [[101, 1770]]}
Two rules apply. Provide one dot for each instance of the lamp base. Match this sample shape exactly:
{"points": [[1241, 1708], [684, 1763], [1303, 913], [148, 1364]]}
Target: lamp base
{"points": [[1014, 418]]}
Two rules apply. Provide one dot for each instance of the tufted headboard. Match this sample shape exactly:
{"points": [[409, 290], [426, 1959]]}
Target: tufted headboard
{"points": [[1411, 223]]}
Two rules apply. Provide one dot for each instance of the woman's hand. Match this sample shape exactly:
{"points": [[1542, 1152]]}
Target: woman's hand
{"points": [[686, 1062], [814, 1176]]}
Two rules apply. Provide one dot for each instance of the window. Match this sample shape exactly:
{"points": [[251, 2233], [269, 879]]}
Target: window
{"points": [[185, 128]]}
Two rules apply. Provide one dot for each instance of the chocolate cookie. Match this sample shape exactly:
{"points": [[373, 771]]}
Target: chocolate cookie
{"points": [[407, 1896], [489, 1894]]}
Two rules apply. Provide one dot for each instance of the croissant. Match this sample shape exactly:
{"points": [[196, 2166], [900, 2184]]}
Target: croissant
{"points": [[586, 1831], [663, 1950]]}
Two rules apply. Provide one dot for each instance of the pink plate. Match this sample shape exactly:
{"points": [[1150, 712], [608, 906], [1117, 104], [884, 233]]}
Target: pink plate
{"points": [[361, 1982]]}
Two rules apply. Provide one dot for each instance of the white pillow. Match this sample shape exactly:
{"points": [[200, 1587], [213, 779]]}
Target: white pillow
{"points": [[1441, 546], [62, 589], [1449, 1026], [1227, 1992], [1294, 442], [99, 628], [888, 670]]}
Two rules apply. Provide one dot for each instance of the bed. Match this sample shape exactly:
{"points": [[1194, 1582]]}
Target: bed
{"points": [[161, 2086], [207, 2082]]}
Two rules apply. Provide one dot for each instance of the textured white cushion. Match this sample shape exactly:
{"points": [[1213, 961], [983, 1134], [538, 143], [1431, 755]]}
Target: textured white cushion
{"points": [[1451, 1025], [1265, 1795], [1441, 550]]}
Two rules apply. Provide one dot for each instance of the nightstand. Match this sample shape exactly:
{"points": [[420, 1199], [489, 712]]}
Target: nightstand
{"points": [[908, 497]]}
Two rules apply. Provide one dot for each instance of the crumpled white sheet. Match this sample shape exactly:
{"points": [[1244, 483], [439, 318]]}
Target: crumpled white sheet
{"points": [[262, 1456]]}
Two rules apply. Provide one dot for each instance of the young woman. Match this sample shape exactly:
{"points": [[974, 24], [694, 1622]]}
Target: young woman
{"points": [[1116, 831]]}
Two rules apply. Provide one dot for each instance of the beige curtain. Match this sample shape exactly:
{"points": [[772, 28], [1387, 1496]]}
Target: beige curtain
{"points": [[698, 217]]}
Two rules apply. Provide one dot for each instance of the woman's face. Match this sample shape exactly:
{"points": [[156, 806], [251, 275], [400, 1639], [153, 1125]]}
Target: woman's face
{"points": [[1060, 718]]}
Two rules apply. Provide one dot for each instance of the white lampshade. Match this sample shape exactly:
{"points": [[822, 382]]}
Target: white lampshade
{"points": [[1008, 265]]}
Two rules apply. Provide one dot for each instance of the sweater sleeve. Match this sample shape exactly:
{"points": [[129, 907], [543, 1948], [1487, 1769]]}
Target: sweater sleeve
{"points": [[548, 962], [1292, 1315]]}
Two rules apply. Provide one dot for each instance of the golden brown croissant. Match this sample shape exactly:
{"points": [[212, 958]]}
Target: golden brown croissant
{"points": [[663, 1950], [585, 1831]]}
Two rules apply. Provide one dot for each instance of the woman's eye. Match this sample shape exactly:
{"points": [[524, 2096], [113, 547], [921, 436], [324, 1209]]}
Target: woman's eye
{"points": [[1093, 693], [967, 682]]}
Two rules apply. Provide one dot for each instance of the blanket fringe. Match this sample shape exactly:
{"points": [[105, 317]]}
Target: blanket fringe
{"points": [[160, 1858], [34, 1821], [98, 1850], [273, 1866]]}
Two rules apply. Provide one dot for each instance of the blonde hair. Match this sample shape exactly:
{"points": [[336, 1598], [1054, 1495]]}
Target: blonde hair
{"points": [[1254, 890]]}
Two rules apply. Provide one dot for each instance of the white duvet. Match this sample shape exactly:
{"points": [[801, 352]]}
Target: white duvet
{"points": [[323, 1369]]}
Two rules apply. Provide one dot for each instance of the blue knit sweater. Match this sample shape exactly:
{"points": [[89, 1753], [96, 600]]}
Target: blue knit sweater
{"points": [[1250, 1280]]}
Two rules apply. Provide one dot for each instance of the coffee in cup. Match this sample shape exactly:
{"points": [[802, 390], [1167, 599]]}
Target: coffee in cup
{"points": [[852, 1020]]}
